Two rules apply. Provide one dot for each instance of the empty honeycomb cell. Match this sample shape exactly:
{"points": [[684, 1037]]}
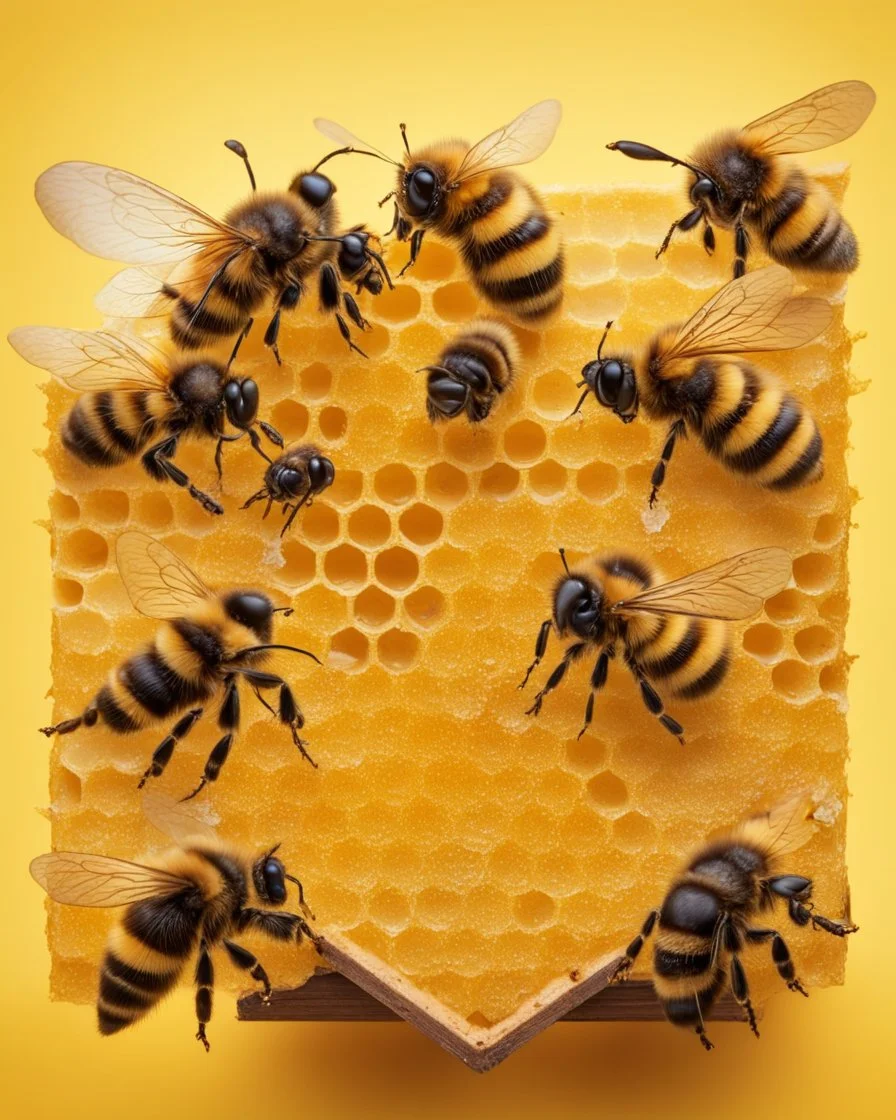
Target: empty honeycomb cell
{"points": [[397, 649], [524, 442], [586, 754], [65, 790], [637, 260], [596, 304], [421, 524], [815, 572], [633, 832], [397, 568], [833, 679], [83, 550], [399, 304], [425, 606], [795, 681], [333, 423], [829, 529], [547, 479], [67, 592], [349, 650], [299, 564], [84, 631], [395, 484], [320, 523], [153, 510], [500, 481], [390, 909], [607, 791], [316, 381], [435, 262], [787, 606], [533, 909], [346, 488], [598, 481], [764, 642], [369, 526], [346, 567], [109, 507], [64, 508], [290, 418], [468, 446], [587, 261], [555, 394], [815, 644], [455, 302], [374, 607], [445, 484]]}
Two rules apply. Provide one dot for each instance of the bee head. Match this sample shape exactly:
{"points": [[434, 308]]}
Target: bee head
{"points": [[612, 380], [421, 191], [314, 188], [269, 879], [446, 396], [251, 609], [577, 608], [241, 401]]}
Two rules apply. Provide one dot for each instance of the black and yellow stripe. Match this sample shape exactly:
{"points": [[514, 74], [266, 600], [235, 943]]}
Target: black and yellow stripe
{"points": [[107, 428], [803, 228], [483, 357], [688, 657]]}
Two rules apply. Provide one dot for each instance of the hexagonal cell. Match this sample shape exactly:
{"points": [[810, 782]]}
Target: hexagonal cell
{"points": [[815, 644], [299, 564], [436, 261], [397, 649], [534, 909], [320, 523], [83, 550], [373, 607], [547, 479], [786, 606], [815, 572], [389, 907], [67, 592], [607, 791], [111, 507], [586, 754], [64, 509], [316, 380], [795, 681], [395, 484], [555, 394], [290, 418], [349, 650], [469, 445], [500, 481], [524, 442], [421, 524], [346, 567], [633, 831], [397, 568], [369, 526], [346, 488], [399, 304], [598, 481], [455, 302], [425, 606], [333, 423], [829, 529], [153, 510], [764, 642], [446, 485]]}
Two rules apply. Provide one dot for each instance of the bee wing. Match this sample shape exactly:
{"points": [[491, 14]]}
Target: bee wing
{"points": [[819, 119], [731, 589], [92, 360], [174, 819], [80, 879], [524, 139], [122, 217], [784, 828], [752, 313], [345, 139], [158, 583], [133, 293]]}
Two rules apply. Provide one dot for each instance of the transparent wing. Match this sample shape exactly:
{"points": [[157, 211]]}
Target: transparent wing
{"points": [[731, 589], [133, 293], [819, 119], [750, 314], [345, 139], [158, 583], [89, 360], [521, 141], [79, 879], [116, 215], [174, 818], [784, 828]]}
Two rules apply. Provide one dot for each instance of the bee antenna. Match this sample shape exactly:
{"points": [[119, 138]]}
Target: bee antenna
{"points": [[404, 137], [260, 649], [604, 338], [349, 150], [563, 558], [581, 401], [239, 149], [286, 611]]}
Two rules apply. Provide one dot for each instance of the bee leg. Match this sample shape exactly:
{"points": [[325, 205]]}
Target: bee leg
{"points": [[157, 464], [229, 722], [635, 947], [416, 241], [653, 702], [288, 712], [354, 312], [780, 955], [288, 300], [709, 237], [598, 680], [574, 651], [239, 342], [247, 961], [219, 452], [677, 431], [161, 756], [331, 295], [741, 246], [798, 892], [541, 644], [271, 432], [741, 991], [88, 718], [279, 926], [687, 222], [205, 985]]}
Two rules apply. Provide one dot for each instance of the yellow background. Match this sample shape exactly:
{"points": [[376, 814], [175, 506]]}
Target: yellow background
{"points": [[155, 88]]}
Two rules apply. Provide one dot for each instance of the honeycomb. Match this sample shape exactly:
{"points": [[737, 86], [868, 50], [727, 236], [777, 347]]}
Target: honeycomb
{"points": [[479, 852]]}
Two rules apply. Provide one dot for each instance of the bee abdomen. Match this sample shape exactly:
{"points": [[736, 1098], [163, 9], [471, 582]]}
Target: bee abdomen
{"points": [[688, 656], [224, 312], [105, 429], [804, 229], [127, 992]]}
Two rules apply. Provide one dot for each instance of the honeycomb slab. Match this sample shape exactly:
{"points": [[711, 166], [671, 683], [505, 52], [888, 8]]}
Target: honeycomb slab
{"points": [[477, 852]]}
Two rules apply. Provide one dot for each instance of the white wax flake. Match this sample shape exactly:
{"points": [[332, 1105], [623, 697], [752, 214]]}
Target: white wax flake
{"points": [[829, 811], [654, 519]]}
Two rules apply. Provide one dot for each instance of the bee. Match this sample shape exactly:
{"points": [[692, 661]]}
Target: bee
{"points": [[742, 183], [674, 635], [706, 919], [268, 248], [210, 643], [472, 371], [509, 242], [294, 480], [742, 415], [187, 902], [137, 401]]}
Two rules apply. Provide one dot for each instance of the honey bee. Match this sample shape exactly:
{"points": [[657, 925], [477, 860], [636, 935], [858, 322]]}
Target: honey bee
{"points": [[187, 902], [707, 917], [472, 371], [674, 635], [210, 642], [294, 480], [509, 242], [269, 247], [137, 401], [741, 414], [742, 183]]}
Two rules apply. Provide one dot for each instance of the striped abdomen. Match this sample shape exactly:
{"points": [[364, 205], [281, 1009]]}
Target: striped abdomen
{"points": [[753, 426], [686, 978], [511, 247], [236, 295], [480, 363], [687, 657], [802, 227], [104, 429]]}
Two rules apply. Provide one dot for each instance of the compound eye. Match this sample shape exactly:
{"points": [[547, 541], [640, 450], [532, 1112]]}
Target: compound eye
{"points": [[609, 381], [251, 610], [353, 245], [421, 187], [241, 401], [289, 480], [702, 189], [628, 392], [274, 883], [315, 189], [320, 473]]}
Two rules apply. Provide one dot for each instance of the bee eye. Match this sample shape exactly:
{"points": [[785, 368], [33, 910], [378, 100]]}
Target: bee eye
{"points": [[320, 472], [702, 189], [241, 401], [609, 380], [421, 186], [274, 883], [315, 189], [250, 609]]}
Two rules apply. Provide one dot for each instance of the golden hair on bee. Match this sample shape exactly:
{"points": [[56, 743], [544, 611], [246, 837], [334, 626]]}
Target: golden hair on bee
{"points": [[742, 182], [472, 371], [468, 195]]}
